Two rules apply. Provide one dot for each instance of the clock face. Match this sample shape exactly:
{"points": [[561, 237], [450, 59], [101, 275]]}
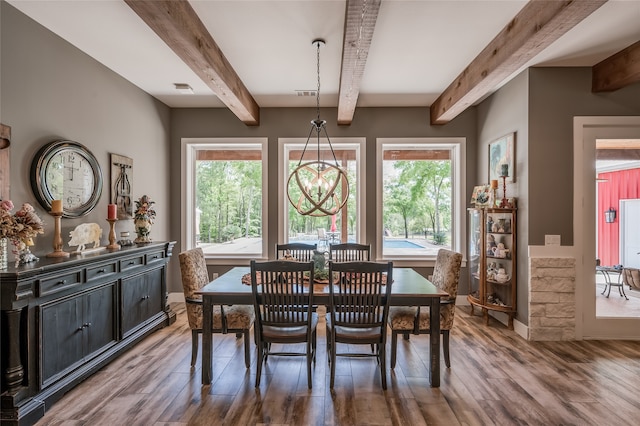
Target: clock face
{"points": [[67, 171]]}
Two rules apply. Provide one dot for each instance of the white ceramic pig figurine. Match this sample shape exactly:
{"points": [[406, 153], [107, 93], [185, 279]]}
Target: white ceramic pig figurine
{"points": [[84, 234]]}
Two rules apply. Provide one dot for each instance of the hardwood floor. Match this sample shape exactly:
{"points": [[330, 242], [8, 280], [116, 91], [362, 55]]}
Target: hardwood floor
{"points": [[496, 377]]}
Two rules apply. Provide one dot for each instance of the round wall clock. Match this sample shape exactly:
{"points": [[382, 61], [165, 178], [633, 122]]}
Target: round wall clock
{"points": [[68, 171]]}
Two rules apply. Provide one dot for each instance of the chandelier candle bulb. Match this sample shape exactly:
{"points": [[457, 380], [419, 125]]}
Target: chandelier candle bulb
{"points": [[111, 211], [56, 206]]}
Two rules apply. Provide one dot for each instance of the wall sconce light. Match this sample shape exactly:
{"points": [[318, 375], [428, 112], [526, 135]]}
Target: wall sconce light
{"points": [[610, 215]]}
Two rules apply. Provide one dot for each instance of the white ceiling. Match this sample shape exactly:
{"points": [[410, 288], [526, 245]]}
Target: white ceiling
{"points": [[418, 47]]}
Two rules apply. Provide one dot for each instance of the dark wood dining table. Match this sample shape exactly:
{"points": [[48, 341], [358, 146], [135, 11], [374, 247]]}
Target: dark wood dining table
{"points": [[409, 288]]}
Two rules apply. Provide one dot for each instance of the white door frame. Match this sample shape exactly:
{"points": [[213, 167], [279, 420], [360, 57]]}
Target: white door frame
{"points": [[586, 130]]}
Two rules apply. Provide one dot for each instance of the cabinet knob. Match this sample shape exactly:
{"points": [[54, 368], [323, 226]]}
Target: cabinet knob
{"points": [[102, 271], [131, 262], [61, 282], [145, 297]]}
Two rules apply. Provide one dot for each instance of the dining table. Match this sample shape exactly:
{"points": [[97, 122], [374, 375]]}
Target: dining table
{"points": [[409, 288]]}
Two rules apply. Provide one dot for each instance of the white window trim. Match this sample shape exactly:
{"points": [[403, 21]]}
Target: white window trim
{"points": [[189, 146], [287, 144], [458, 203]]}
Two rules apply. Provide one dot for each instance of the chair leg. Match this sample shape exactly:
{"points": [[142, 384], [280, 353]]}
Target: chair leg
{"points": [[333, 363], [194, 347], [259, 362], [445, 347], [247, 343], [394, 347], [310, 356], [382, 356], [405, 336]]}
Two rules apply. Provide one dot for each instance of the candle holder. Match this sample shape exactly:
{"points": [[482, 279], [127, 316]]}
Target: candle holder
{"points": [[504, 203], [57, 237], [112, 235]]}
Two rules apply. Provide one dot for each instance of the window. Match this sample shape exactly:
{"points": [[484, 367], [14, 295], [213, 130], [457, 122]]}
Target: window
{"points": [[348, 223], [225, 194], [420, 188]]}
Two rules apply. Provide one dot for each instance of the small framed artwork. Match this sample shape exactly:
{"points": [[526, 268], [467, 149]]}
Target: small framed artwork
{"points": [[121, 180], [481, 196], [502, 158]]}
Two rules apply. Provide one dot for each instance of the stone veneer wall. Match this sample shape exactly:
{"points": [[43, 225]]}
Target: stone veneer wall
{"points": [[552, 298]]}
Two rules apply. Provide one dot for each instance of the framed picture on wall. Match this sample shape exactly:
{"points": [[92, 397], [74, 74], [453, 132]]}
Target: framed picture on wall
{"points": [[121, 182], [502, 158]]}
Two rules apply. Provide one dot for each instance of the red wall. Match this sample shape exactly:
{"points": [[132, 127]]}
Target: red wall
{"points": [[620, 185]]}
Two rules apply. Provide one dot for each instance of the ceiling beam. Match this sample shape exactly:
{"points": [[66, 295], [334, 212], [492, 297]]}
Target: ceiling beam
{"points": [[535, 27], [178, 25], [618, 70], [359, 23]]}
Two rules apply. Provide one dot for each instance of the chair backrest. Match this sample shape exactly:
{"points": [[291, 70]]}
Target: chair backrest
{"points": [[193, 269], [282, 295], [360, 293], [350, 252], [322, 234], [446, 273], [296, 251]]}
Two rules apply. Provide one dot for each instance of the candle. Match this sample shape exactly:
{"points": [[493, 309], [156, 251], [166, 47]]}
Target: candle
{"points": [[56, 206], [111, 212], [494, 184], [504, 170]]}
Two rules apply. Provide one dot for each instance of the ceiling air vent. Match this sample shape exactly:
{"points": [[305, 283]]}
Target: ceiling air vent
{"points": [[306, 92]]}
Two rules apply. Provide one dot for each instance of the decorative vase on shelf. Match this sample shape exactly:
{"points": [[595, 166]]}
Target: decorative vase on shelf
{"points": [[23, 252], [143, 219], [4, 253], [143, 229]]}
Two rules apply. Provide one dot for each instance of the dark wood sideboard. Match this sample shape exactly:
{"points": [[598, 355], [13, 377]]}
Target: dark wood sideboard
{"points": [[64, 319]]}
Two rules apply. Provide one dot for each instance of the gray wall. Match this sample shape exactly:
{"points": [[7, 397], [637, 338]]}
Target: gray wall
{"points": [[50, 90], [505, 112], [540, 105], [275, 123], [556, 95]]}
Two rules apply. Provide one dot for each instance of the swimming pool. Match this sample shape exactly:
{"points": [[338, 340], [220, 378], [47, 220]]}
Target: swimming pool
{"points": [[400, 244]]}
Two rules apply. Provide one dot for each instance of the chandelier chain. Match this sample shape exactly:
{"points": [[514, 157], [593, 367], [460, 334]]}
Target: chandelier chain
{"points": [[318, 73]]}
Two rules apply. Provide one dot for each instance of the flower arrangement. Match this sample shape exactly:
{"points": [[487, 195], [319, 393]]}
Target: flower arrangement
{"points": [[22, 225], [144, 209]]}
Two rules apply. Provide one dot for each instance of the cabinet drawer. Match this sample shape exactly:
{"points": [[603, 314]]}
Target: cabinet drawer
{"points": [[156, 256], [60, 282], [131, 263], [98, 272]]}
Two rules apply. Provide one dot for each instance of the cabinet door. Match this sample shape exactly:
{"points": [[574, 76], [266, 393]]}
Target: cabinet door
{"points": [[61, 337], [141, 299], [500, 265], [100, 319], [475, 254]]}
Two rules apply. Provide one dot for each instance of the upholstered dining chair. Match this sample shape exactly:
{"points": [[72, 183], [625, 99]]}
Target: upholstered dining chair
{"points": [[408, 319], [283, 299], [226, 319], [358, 310], [349, 252], [302, 252]]}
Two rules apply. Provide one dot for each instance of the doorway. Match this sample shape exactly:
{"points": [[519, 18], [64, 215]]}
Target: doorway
{"points": [[587, 130]]}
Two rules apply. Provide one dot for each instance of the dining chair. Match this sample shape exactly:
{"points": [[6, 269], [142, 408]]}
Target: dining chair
{"points": [[301, 252], [283, 299], [349, 252], [409, 319], [358, 310], [226, 319]]}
